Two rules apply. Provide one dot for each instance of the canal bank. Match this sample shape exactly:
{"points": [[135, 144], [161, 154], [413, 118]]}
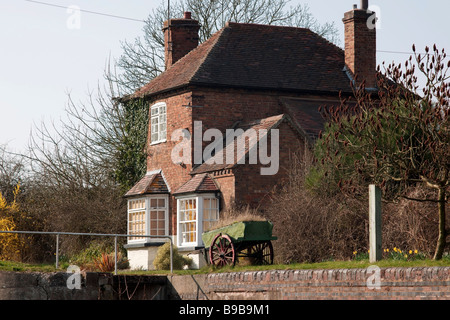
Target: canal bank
{"points": [[418, 283]]}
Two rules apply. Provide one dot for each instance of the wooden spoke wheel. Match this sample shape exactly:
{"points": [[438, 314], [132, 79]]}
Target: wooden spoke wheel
{"points": [[260, 253], [222, 251]]}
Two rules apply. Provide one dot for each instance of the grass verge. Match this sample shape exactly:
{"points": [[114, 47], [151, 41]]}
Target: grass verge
{"points": [[351, 264]]}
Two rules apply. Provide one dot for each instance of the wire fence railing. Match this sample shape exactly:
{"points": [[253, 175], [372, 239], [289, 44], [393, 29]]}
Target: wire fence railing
{"points": [[116, 236]]}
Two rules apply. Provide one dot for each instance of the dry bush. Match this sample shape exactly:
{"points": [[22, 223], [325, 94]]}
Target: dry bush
{"points": [[316, 226], [66, 209], [235, 213], [412, 225], [313, 226]]}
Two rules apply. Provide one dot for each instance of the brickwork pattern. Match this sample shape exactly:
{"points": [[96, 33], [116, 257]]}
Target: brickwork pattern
{"points": [[341, 284], [360, 46]]}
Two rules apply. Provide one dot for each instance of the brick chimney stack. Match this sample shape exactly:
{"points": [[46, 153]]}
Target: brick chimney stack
{"points": [[180, 37], [360, 44]]}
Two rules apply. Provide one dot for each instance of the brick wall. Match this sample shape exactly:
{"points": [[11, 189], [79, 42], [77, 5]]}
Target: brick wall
{"points": [[360, 46], [342, 284]]}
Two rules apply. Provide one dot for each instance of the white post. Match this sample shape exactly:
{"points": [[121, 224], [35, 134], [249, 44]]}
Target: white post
{"points": [[374, 223], [57, 251], [115, 255]]}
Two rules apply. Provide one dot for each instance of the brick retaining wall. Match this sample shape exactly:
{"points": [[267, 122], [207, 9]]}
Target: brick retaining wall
{"points": [[343, 284]]}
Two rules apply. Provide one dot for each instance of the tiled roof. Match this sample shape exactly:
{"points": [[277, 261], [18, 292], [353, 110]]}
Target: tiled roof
{"points": [[305, 113], [258, 56], [267, 124], [198, 184], [149, 184]]}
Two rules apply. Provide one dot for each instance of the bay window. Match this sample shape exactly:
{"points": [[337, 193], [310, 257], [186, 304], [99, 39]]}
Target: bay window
{"points": [[196, 213], [148, 216]]}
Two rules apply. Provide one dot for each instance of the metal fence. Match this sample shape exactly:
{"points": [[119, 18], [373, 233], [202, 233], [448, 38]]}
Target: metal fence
{"points": [[116, 236]]}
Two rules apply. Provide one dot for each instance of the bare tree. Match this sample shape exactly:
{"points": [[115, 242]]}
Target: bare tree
{"points": [[12, 169]]}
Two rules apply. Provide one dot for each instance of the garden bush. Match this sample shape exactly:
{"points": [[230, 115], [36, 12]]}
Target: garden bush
{"points": [[162, 259]]}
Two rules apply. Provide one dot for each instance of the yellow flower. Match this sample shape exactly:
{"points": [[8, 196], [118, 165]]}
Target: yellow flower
{"points": [[410, 251], [387, 250], [355, 252], [406, 256], [395, 249], [415, 251]]}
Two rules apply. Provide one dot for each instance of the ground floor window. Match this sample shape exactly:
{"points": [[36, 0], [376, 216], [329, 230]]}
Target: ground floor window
{"points": [[188, 220], [148, 216], [210, 213], [195, 214]]}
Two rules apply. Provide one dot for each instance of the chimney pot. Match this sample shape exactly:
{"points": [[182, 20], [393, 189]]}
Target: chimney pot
{"points": [[180, 37], [365, 4]]}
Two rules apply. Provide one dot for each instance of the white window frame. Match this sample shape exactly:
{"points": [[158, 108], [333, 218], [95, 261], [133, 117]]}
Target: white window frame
{"points": [[148, 209], [158, 123], [198, 218]]}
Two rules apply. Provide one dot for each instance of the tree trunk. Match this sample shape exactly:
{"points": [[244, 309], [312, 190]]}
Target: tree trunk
{"points": [[442, 232]]}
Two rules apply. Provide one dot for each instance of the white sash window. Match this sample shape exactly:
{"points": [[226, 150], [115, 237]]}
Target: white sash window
{"points": [[195, 214], [158, 120], [148, 216]]}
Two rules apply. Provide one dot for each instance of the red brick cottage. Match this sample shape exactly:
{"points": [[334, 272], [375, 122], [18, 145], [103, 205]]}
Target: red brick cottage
{"points": [[256, 82]]}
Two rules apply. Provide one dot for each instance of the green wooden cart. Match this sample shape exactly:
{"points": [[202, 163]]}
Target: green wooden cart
{"points": [[246, 239]]}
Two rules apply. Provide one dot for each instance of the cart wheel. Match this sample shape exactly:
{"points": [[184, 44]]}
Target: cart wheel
{"points": [[261, 253], [221, 252]]}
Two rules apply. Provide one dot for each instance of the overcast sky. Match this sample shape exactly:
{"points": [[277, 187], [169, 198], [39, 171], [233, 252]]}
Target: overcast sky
{"points": [[44, 56]]}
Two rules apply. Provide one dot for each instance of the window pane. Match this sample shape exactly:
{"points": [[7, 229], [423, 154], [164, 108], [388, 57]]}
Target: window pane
{"points": [[206, 203], [161, 203], [210, 213], [136, 222]]}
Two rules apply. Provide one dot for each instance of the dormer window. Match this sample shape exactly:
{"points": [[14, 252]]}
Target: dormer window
{"points": [[158, 122]]}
